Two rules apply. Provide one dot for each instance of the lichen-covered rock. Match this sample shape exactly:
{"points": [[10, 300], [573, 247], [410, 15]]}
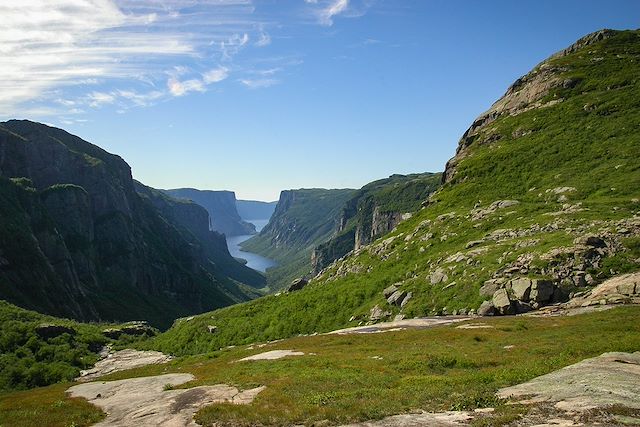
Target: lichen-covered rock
{"points": [[486, 309], [541, 290], [502, 302], [397, 297], [521, 288]]}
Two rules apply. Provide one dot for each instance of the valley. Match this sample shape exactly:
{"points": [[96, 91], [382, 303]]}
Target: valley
{"points": [[502, 291]]}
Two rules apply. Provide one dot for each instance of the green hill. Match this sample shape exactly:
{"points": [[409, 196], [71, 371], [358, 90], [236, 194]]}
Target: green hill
{"points": [[545, 185]]}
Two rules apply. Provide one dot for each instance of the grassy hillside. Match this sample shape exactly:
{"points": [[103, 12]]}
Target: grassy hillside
{"points": [[566, 153], [302, 220]]}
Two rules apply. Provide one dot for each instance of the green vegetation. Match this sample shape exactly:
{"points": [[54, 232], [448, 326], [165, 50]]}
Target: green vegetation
{"points": [[348, 378], [302, 220], [34, 354]]}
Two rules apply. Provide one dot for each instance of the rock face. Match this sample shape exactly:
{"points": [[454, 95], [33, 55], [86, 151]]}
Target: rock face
{"points": [[147, 402], [609, 379], [221, 206], [373, 211], [77, 240]]}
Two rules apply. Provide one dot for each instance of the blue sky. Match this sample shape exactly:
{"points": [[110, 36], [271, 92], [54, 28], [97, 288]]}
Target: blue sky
{"points": [[258, 96]]}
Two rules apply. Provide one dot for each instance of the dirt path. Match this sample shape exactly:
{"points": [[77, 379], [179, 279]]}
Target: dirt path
{"points": [[149, 401]]}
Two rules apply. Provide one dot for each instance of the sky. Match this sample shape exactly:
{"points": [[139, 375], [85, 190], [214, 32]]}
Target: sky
{"points": [[258, 96]]}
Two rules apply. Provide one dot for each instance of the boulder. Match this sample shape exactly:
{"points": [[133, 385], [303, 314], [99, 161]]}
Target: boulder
{"points": [[397, 297], [501, 302], [522, 307], [627, 288], [491, 286], [47, 330], [541, 290], [406, 299], [438, 276], [298, 284], [389, 291], [377, 313], [521, 288], [486, 309]]}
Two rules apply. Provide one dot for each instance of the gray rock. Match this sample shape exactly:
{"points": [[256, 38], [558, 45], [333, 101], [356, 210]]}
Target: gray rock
{"points": [[541, 290], [590, 240], [501, 302], [627, 288], [389, 291], [298, 284], [521, 288], [397, 297], [406, 299], [522, 307], [491, 286], [377, 313], [473, 243], [438, 276], [486, 309]]}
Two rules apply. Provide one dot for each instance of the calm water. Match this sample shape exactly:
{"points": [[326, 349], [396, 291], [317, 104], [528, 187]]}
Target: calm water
{"points": [[254, 261]]}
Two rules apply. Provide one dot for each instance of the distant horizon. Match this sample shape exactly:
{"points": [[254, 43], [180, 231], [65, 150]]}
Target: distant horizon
{"points": [[255, 96]]}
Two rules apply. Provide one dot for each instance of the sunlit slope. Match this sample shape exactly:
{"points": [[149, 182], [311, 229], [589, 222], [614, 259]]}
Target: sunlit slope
{"points": [[552, 162]]}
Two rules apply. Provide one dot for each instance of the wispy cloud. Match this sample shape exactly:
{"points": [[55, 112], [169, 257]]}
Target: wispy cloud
{"points": [[51, 45], [325, 11], [336, 7], [259, 83]]}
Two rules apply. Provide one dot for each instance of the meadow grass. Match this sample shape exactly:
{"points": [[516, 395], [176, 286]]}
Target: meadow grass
{"points": [[347, 378]]}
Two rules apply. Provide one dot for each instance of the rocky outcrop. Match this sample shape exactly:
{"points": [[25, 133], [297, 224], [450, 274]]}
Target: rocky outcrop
{"points": [[77, 240], [221, 206], [297, 284]]}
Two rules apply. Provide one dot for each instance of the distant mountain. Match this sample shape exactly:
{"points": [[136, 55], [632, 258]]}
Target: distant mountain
{"points": [[373, 211], [302, 219], [221, 206], [78, 240], [252, 209]]}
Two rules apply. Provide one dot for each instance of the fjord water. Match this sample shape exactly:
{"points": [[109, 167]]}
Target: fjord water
{"points": [[254, 261]]}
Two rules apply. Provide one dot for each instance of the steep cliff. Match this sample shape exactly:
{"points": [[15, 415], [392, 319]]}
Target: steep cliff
{"points": [[375, 209], [77, 240], [302, 220], [221, 206]]}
